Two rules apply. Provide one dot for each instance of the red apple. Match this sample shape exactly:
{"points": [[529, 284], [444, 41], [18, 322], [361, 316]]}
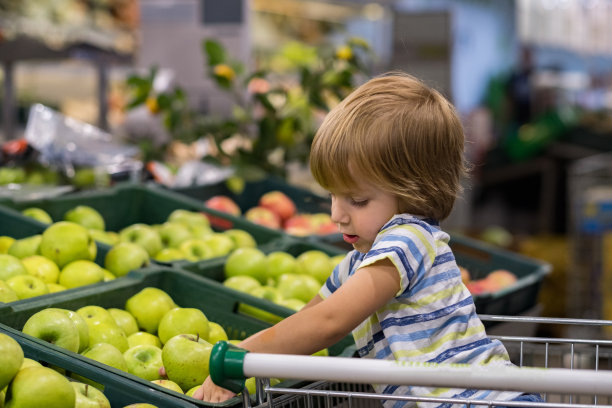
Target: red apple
{"points": [[500, 278], [279, 203], [224, 204], [299, 225], [475, 287], [263, 216]]}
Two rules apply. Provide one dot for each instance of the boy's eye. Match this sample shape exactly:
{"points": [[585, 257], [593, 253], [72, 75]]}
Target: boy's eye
{"points": [[359, 203]]}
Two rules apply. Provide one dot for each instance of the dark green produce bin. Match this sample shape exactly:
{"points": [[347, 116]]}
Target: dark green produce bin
{"points": [[480, 259], [130, 203], [16, 225], [120, 391], [305, 201], [220, 304], [294, 246]]}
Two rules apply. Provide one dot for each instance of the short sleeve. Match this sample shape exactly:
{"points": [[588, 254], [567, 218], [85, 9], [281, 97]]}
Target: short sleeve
{"points": [[409, 246]]}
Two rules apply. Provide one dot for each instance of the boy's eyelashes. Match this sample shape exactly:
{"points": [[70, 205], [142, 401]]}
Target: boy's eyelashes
{"points": [[357, 202]]}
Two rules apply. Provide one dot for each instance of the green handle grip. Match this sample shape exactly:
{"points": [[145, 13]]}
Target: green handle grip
{"points": [[226, 366]]}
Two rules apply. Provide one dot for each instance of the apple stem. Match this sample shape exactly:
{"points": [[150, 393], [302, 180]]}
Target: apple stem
{"points": [[86, 389], [197, 337]]}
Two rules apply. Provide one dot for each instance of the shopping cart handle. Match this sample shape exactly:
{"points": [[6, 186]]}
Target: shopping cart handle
{"points": [[226, 366]]}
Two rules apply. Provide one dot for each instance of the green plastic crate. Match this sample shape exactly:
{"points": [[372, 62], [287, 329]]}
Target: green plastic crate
{"points": [[119, 390], [130, 203], [16, 225], [481, 258], [294, 246], [305, 201], [220, 304]]}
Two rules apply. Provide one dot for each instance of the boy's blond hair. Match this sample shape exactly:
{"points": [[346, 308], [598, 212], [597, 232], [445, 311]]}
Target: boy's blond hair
{"points": [[398, 134]]}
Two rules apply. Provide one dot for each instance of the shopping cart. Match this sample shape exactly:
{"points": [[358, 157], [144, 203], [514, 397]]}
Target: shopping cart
{"points": [[567, 372]]}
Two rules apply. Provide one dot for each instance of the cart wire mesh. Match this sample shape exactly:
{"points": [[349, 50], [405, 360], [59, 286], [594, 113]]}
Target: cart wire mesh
{"points": [[531, 350]]}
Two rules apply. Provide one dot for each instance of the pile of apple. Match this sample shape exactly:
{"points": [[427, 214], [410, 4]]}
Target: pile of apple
{"points": [[278, 211], [184, 235], [495, 281], [25, 383], [278, 276], [152, 338]]}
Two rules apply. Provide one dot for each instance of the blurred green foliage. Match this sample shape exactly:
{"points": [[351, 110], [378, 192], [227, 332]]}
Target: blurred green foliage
{"points": [[276, 108]]}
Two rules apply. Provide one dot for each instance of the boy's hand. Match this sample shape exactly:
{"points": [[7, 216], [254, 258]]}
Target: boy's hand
{"points": [[210, 392]]}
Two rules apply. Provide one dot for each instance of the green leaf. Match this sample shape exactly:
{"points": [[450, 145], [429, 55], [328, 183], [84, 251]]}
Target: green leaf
{"points": [[215, 52]]}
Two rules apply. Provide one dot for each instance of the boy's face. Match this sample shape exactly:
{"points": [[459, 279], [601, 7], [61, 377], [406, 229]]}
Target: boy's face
{"points": [[361, 212]]}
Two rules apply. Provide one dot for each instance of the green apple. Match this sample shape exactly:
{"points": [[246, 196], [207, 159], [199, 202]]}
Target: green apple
{"points": [[25, 246], [80, 324], [192, 390], [247, 261], [216, 332], [55, 287], [141, 405], [5, 243], [172, 233], [124, 320], [80, 273], [196, 249], [143, 235], [108, 275], [219, 244], [64, 242], [315, 263], [242, 283], [28, 362], [54, 327], [186, 358], [322, 353], [241, 238], [299, 286], [11, 359], [88, 396], [279, 263], [148, 306], [11, 266], [106, 354], [200, 231], [144, 361], [86, 216], [169, 255], [38, 214], [182, 320], [291, 303], [171, 385], [267, 292], [6, 293], [10, 175], [40, 387], [193, 218], [124, 257], [102, 332], [109, 238], [41, 267], [94, 314], [142, 337], [27, 286]]}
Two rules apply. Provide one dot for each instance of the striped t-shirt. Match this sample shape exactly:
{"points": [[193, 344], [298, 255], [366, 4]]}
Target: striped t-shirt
{"points": [[432, 317]]}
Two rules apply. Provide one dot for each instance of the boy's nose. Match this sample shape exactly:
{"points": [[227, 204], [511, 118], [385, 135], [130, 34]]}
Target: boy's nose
{"points": [[338, 215]]}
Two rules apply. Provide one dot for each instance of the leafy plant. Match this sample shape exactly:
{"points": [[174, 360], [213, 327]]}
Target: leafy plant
{"points": [[276, 108]]}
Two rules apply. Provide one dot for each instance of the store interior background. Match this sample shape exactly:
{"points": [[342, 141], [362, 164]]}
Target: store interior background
{"points": [[530, 179]]}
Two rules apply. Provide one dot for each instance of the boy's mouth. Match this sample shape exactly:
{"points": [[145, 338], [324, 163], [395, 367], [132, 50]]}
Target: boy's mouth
{"points": [[351, 239]]}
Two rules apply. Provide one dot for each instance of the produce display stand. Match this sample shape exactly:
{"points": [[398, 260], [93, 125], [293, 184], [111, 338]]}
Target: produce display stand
{"points": [[130, 203], [567, 372], [220, 305], [119, 390]]}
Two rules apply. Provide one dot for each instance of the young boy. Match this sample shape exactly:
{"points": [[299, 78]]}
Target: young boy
{"points": [[391, 155]]}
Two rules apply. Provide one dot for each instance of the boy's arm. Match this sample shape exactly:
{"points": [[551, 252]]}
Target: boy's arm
{"points": [[322, 323]]}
